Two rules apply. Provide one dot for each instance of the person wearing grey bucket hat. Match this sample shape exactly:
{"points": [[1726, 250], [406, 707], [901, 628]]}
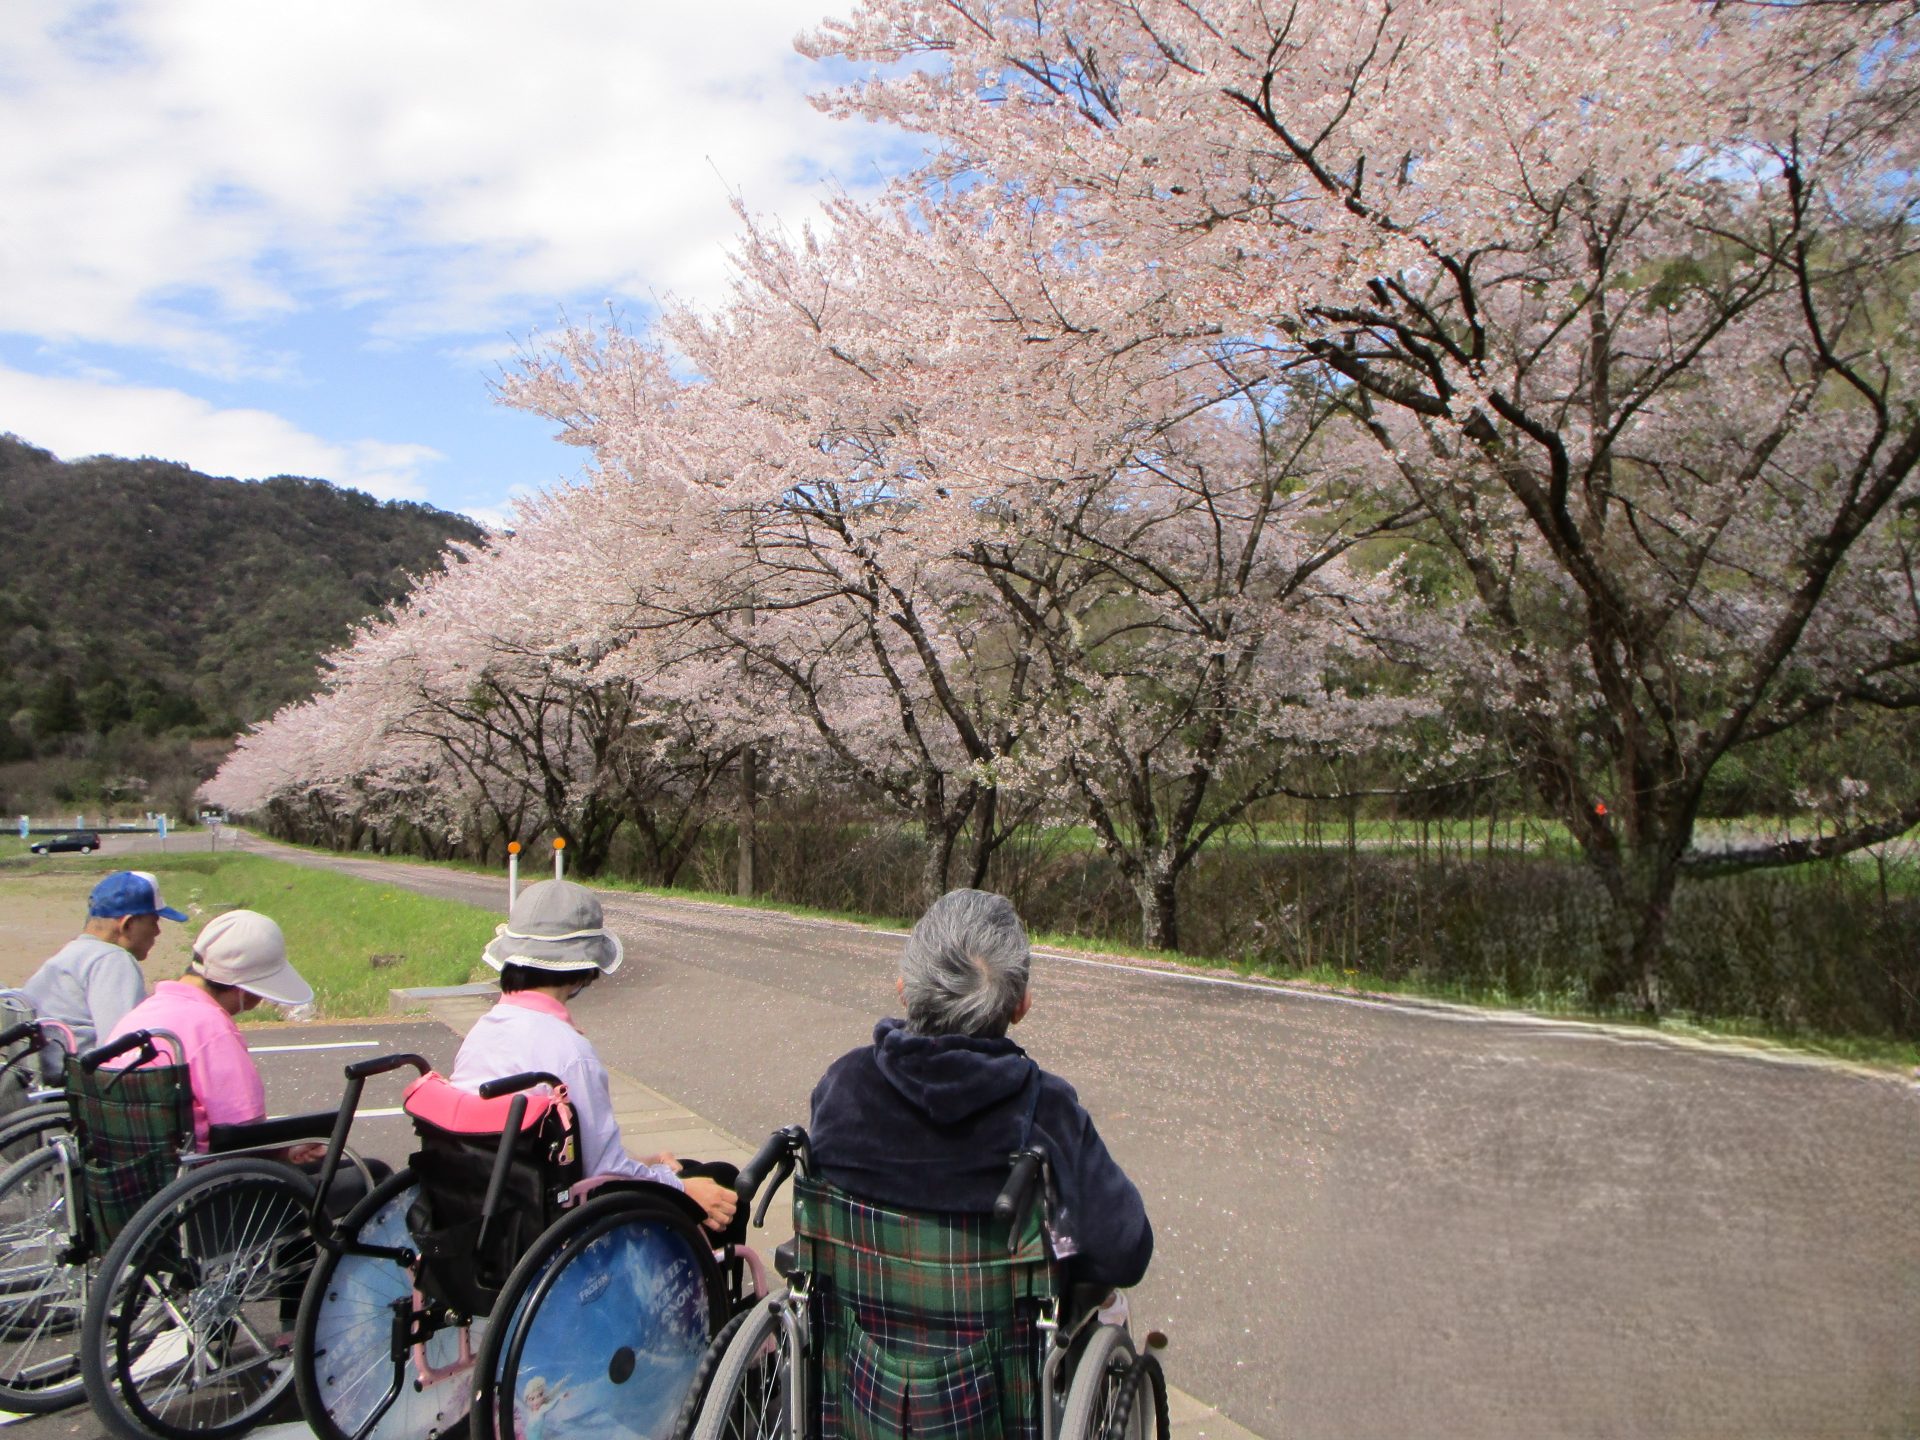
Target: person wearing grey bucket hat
{"points": [[556, 926], [553, 945]]}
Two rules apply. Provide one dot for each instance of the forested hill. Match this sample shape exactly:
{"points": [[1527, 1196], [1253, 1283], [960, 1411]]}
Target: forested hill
{"points": [[142, 593]]}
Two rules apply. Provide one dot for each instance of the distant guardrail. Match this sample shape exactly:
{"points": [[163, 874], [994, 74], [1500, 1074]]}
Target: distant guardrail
{"points": [[99, 830]]}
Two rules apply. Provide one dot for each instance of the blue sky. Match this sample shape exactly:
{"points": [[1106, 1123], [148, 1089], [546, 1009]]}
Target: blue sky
{"points": [[262, 238]]}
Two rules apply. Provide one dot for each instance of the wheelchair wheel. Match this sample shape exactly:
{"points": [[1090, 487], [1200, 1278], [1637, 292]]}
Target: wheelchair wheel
{"points": [[1102, 1389], [703, 1375], [30, 1128], [353, 1379], [752, 1396], [1141, 1412], [43, 1298], [607, 1314], [189, 1328]]}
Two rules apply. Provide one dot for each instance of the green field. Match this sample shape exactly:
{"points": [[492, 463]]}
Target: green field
{"points": [[352, 939]]}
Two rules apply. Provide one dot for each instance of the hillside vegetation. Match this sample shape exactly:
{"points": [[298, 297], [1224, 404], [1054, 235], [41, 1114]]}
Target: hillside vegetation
{"points": [[143, 602]]}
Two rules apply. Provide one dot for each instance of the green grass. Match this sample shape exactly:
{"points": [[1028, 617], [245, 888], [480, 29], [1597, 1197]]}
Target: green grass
{"points": [[352, 939]]}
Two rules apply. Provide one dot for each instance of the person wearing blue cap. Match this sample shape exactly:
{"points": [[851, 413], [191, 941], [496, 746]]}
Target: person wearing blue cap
{"points": [[94, 979]]}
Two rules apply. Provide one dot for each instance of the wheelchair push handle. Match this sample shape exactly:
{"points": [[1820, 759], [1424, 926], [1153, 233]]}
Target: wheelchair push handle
{"points": [[776, 1157], [507, 1084], [25, 1030], [1015, 1201], [358, 1073], [382, 1064], [141, 1040]]}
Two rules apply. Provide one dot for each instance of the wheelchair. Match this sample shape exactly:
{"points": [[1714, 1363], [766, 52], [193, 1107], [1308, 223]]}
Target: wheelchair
{"points": [[30, 1107], [29, 1103], [157, 1281], [478, 1286], [945, 1326], [34, 1118]]}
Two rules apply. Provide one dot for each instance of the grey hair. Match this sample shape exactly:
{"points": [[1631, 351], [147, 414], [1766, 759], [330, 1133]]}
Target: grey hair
{"points": [[965, 966]]}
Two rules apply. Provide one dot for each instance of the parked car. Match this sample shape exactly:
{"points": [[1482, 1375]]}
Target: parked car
{"points": [[73, 840]]}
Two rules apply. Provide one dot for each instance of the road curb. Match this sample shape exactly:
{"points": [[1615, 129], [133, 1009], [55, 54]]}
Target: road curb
{"points": [[420, 999]]}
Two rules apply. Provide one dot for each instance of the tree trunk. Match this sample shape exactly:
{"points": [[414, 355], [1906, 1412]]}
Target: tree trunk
{"points": [[1156, 889], [986, 815], [938, 860], [749, 798], [1641, 891]]}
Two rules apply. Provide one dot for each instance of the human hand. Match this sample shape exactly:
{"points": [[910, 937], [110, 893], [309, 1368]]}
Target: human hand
{"points": [[716, 1199], [665, 1157], [307, 1152]]}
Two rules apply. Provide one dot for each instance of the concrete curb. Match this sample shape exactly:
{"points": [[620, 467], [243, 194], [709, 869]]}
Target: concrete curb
{"points": [[420, 999]]}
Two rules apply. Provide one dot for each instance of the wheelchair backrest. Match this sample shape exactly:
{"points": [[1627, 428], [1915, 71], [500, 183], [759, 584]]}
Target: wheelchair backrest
{"points": [[460, 1137], [928, 1324], [132, 1125]]}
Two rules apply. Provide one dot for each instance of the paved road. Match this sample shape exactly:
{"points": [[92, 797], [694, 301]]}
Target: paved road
{"points": [[1383, 1221]]}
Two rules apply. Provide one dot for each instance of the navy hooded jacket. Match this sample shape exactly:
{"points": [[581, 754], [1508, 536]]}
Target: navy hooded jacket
{"points": [[926, 1122]]}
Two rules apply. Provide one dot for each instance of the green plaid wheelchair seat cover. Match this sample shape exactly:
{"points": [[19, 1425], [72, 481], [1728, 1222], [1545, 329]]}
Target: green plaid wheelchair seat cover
{"points": [[925, 1324], [132, 1125]]}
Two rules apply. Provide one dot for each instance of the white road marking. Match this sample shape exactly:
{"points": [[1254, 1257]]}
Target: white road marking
{"points": [[317, 1045]]}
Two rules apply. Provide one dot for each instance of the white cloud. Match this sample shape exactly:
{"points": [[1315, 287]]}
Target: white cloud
{"points": [[201, 166], [78, 417]]}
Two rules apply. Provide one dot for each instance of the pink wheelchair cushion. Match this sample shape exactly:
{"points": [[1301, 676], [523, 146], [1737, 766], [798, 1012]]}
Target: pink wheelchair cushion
{"points": [[436, 1101]]}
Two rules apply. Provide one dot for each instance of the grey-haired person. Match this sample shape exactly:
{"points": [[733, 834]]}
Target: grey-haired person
{"points": [[555, 943], [94, 979], [925, 1117]]}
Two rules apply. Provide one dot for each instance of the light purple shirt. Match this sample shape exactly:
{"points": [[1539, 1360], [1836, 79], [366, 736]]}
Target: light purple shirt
{"points": [[226, 1084], [529, 1031]]}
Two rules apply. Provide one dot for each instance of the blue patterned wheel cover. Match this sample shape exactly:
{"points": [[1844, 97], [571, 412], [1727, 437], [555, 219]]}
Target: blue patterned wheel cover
{"points": [[353, 1342], [613, 1348]]}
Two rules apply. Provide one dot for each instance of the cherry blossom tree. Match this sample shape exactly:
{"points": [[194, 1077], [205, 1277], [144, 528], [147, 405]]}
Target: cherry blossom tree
{"points": [[940, 542], [1207, 641], [789, 512], [1623, 291], [482, 708]]}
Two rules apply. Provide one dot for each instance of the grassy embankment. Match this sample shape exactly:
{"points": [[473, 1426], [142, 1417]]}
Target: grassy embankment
{"points": [[352, 939]]}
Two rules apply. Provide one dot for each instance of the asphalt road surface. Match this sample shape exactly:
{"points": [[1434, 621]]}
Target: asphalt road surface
{"points": [[1380, 1220]]}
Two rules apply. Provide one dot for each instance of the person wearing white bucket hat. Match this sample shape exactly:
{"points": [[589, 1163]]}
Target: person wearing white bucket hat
{"points": [[239, 960], [554, 944]]}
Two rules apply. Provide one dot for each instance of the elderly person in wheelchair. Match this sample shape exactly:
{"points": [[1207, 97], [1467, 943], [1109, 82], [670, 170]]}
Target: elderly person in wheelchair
{"points": [[523, 1276], [960, 1231], [552, 947], [156, 1244], [927, 1115]]}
